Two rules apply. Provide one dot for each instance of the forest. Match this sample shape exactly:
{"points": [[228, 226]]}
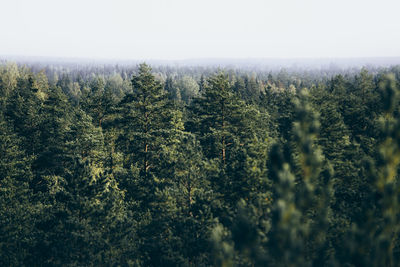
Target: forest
{"points": [[139, 165]]}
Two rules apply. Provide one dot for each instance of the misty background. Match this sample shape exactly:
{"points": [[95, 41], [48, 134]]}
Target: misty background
{"points": [[202, 32]]}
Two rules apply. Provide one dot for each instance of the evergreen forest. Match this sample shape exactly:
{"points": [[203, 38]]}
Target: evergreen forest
{"points": [[139, 165]]}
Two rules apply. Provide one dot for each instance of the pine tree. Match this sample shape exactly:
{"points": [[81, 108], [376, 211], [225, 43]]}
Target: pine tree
{"points": [[240, 86], [150, 126], [9, 75], [279, 104], [179, 228], [234, 138], [216, 118], [145, 119], [17, 210], [301, 213], [202, 84], [172, 90], [98, 101], [54, 123], [360, 109], [84, 223], [22, 110], [373, 240], [350, 187]]}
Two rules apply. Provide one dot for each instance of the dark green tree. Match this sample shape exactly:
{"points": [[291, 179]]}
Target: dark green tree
{"points": [[145, 116], [54, 124], [22, 110], [18, 211]]}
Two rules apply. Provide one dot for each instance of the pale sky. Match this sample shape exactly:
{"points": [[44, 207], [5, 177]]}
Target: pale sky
{"points": [[184, 29]]}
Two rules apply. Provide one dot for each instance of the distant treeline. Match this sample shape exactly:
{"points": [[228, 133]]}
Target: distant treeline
{"points": [[107, 165]]}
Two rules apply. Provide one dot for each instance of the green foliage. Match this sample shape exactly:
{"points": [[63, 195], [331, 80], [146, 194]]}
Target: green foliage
{"points": [[185, 167], [17, 212], [22, 110]]}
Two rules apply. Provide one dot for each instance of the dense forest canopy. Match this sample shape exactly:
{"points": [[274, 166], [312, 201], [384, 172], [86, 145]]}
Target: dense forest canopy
{"points": [[128, 165]]}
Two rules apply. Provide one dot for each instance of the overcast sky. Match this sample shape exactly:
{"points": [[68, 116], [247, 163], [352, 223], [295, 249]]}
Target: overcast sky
{"points": [[182, 29]]}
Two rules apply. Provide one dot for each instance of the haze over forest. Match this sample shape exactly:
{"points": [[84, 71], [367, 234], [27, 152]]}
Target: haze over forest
{"points": [[200, 133], [181, 29]]}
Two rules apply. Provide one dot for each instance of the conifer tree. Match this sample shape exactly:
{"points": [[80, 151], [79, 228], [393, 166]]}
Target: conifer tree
{"points": [[202, 84], [9, 75], [373, 240], [172, 90], [98, 100], [151, 127], [54, 123], [22, 110], [179, 230], [240, 86], [217, 119], [344, 154], [229, 131], [360, 111], [83, 225], [301, 213], [145, 118], [17, 210]]}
